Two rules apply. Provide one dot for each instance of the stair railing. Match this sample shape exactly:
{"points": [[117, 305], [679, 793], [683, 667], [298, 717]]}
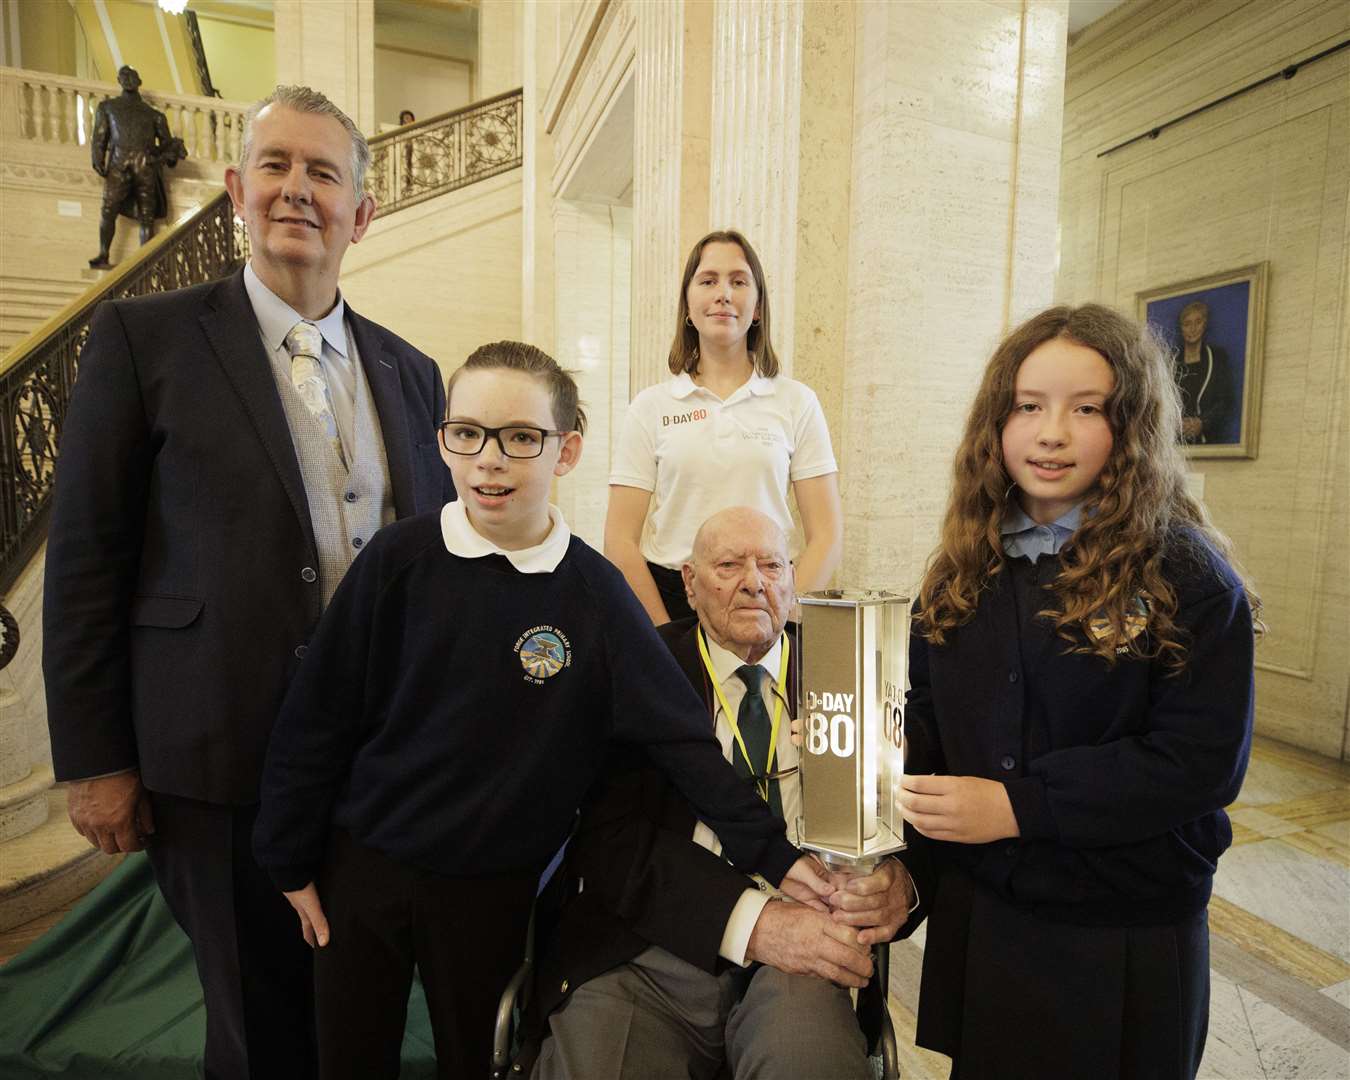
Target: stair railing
{"points": [[36, 377], [38, 106], [420, 161], [408, 166]]}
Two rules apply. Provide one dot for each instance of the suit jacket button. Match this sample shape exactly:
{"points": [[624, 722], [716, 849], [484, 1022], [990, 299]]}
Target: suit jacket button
{"points": [[1008, 762], [300, 651], [565, 985], [1012, 676], [308, 574]]}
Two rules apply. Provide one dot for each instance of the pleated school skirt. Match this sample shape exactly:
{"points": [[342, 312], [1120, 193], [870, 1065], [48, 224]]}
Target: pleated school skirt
{"points": [[1010, 995]]}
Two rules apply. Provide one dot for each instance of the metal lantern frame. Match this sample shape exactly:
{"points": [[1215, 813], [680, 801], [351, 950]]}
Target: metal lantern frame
{"points": [[851, 679]]}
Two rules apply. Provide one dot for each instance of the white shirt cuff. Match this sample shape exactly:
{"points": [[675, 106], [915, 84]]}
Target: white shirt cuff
{"points": [[741, 924]]}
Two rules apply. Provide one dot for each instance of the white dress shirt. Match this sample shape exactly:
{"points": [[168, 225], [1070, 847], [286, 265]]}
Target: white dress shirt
{"points": [[736, 936]]}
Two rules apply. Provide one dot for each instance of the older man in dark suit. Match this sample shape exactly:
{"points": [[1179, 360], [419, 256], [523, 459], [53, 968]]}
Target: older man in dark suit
{"points": [[667, 962], [229, 449]]}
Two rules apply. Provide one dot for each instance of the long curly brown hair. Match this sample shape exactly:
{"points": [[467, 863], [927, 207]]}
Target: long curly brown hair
{"points": [[1130, 520]]}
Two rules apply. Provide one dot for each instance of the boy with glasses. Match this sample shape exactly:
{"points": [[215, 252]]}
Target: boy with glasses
{"points": [[453, 708]]}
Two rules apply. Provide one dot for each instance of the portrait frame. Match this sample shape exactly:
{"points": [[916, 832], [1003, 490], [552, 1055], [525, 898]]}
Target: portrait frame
{"points": [[1231, 353]]}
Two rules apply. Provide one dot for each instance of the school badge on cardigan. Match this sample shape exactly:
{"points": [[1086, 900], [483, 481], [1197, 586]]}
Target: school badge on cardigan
{"points": [[1136, 622], [544, 651]]}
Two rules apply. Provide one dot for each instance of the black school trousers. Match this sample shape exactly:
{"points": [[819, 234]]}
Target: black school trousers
{"points": [[465, 937]]}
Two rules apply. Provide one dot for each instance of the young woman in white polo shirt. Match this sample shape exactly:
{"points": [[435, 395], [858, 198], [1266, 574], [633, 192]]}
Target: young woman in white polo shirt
{"points": [[726, 430]]}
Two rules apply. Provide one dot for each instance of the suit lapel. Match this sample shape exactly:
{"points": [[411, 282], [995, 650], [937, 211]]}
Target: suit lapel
{"points": [[232, 330], [386, 389], [685, 651]]}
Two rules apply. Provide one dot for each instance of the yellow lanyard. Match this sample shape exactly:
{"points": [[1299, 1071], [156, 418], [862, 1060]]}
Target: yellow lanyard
{"points": [[731, 716]]}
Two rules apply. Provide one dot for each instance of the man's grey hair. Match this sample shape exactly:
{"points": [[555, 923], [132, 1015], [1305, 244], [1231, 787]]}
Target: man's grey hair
{"points": [[303, 99]]}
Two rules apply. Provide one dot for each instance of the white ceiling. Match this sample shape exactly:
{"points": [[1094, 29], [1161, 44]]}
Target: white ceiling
{"points": [[1082, 12]]}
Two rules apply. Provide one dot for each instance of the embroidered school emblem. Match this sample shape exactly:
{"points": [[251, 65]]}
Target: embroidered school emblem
{"points": [[1136, 622], [544, 651]]}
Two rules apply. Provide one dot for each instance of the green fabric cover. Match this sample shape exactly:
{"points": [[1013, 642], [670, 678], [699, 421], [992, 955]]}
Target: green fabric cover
{"points": [[111, 991]]}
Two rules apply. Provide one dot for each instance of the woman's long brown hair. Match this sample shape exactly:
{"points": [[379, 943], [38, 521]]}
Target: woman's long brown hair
{"points": [[1130, 519], [684, 349]]}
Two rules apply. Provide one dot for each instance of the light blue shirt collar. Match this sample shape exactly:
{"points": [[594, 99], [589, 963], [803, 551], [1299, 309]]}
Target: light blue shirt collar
{"points": [[1023, 537], [276, 317]]}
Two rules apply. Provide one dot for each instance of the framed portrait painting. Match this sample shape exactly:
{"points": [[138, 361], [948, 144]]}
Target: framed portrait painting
{"points": [[1214, 328]]}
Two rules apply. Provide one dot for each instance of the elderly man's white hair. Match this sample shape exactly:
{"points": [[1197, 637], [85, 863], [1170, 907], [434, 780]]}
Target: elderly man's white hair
{"points": [[303, 99]]}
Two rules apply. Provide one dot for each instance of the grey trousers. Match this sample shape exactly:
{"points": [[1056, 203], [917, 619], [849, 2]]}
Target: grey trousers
{"points": [[660, 1018]]}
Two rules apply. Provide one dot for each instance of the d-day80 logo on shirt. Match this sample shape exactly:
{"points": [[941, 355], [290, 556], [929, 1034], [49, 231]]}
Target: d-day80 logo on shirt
{"points": [[544, 651], [684, 418]]}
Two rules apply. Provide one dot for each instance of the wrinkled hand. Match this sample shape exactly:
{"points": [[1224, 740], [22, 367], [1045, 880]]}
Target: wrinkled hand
{"points": [[964, 809], [878, 903], [799, 941], [313, 924], [111, 812]]}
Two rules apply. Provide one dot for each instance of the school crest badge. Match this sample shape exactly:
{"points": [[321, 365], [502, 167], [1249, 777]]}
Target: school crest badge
{"points": [[544, 651], [1136, 622]]}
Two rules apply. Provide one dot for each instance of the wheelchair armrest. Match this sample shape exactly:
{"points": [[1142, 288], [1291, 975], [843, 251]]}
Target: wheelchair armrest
{"points": [[504, 1031]]}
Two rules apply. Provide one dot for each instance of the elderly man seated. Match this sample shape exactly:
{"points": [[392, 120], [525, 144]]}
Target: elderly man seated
{"points": [[666, 961]]}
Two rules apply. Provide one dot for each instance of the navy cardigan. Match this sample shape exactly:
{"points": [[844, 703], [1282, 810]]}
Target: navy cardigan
{"points": [[1118, 774]]}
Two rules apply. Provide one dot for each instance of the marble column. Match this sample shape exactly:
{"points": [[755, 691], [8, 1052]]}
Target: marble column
{"points": [[330, 47], [500, 26], [756, 110], [670, 155], [539, 31], [593, 255], [957, 116], [44, 862]]}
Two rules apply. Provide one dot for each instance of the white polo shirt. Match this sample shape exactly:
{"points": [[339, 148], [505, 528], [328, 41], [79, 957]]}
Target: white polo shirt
{"points": [[698, 454]]}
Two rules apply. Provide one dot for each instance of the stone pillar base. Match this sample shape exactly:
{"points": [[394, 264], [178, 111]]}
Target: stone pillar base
{"points": [[23, 804], [48, 867]]}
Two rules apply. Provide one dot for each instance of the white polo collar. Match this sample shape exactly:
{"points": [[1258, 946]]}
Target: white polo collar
{"points": [[683, 385], [462, 539], [276, 317]]}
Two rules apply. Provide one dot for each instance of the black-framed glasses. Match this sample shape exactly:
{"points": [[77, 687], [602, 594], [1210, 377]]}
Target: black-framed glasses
{"points": [[459, 437]]}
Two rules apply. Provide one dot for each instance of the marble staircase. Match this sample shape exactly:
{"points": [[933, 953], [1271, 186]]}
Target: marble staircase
{"points": [[27, 302]]}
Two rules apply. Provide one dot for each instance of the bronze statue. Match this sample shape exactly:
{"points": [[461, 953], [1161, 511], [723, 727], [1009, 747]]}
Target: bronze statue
{"points": [[140, 143]]}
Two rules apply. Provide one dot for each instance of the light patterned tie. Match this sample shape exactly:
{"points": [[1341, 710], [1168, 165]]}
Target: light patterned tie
{"points": [[305, 343]]}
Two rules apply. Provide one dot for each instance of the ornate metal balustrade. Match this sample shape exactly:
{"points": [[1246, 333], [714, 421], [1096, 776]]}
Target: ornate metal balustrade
{"points": [[37, 376], [408, 166], [442, 153]]}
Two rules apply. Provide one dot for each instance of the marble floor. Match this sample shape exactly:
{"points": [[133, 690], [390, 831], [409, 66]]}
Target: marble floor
{"points": [[1279, 923], [1279, 932]]}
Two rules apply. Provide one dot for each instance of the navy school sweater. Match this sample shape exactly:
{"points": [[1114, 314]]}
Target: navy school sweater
{"points": [[451, 713], [1118, 775]]}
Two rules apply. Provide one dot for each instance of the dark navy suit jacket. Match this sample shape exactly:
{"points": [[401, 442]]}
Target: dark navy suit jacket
{"points": [[181, 561]]}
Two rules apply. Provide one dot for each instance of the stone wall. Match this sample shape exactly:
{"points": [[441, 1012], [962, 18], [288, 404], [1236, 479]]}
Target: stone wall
{"points": [[1262, 178]]}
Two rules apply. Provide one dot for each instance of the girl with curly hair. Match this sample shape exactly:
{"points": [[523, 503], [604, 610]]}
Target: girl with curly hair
{"points": [[1080, 712]]}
